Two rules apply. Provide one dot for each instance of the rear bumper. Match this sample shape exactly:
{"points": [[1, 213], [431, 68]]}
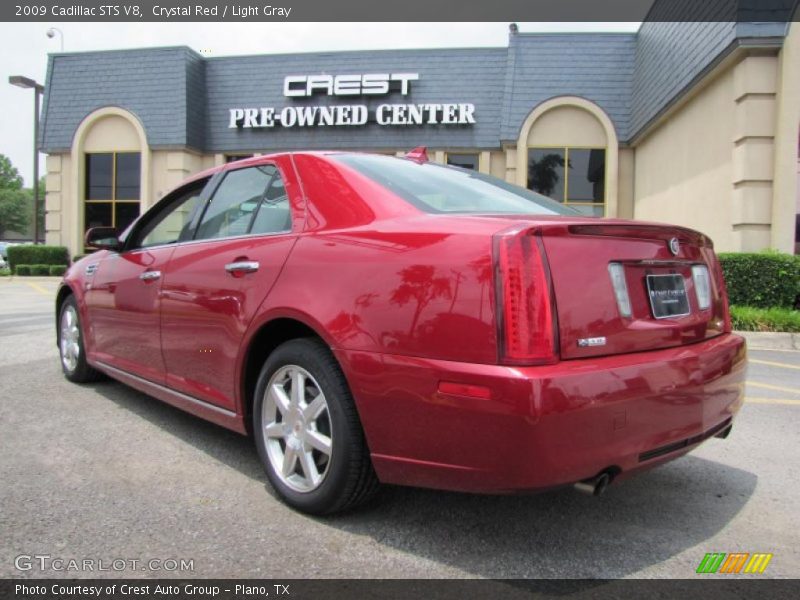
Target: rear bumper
{"points": [[542, 427]]}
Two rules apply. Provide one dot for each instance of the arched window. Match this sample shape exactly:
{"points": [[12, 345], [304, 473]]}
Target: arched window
{"points": [[568, 150], [110, 171]]}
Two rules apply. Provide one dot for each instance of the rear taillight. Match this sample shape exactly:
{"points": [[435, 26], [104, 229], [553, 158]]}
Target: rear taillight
{"points": [[702, 286], [525, 315], [620, 285]]}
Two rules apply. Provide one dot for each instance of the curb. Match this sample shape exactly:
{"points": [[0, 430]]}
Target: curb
{"points": [[769, 340], [34, 278]]}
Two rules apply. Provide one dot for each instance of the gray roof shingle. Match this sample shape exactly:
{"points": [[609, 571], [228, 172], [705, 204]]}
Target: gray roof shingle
{"points": [[597, 67], [150, 83]]}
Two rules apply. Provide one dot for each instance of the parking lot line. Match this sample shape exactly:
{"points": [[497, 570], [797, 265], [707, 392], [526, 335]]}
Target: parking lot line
{"points": [[39, 288], [750, 400], [756, 349], [773, 364], [769, 386]]}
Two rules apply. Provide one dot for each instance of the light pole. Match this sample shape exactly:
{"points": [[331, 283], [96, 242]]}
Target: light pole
{"points": [[38, 88], [51, 33]]}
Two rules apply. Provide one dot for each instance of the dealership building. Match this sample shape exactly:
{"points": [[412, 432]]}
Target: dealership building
{"points": [[688, 123]]}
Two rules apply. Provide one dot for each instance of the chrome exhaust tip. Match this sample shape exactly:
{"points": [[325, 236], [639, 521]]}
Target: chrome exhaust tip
{"points": [[595, 486]]}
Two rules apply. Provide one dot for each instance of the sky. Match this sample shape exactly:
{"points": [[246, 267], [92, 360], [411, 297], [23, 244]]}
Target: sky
{"points": [[24, 48]]}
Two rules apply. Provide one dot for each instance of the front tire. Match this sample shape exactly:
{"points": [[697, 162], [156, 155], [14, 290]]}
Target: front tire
{"points": [[70, 345], [308, 433]]}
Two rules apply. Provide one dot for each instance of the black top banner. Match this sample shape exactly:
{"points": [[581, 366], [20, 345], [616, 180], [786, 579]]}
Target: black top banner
{"points": [[406, 10]]}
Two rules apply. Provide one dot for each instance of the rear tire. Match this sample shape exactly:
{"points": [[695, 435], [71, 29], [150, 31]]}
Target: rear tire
{"points": [[70, 345], [308, 433]]}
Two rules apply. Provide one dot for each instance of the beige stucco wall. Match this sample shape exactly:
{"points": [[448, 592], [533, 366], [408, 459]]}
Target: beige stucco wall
{"points": [[567, 126], [625, 189], [112, 133], [57, 185], [711, 165], [683, 171], [786, 184], [497, 164], [725, 161], [171, 167]]}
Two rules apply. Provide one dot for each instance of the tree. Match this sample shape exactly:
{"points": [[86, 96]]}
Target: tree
{"points": [[15, 210], [16, 203], [10, 178]]}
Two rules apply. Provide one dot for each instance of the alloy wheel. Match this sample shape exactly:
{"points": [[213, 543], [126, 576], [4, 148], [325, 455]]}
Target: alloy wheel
{"points": [[297, 428], [70, 338]]}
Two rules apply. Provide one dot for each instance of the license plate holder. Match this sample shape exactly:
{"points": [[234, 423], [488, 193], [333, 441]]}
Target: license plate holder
{"points": [[667, 294]]}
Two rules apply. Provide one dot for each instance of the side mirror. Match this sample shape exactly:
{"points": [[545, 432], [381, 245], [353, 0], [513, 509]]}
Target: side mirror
{"points": [[104, 238]]}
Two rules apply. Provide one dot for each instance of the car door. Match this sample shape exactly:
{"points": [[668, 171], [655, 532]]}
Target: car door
{"points": [[124, 299], [214, 284]]}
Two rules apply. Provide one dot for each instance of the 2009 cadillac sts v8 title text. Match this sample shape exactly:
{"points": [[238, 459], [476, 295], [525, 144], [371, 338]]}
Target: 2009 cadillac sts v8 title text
{"points": [[377, 319]]}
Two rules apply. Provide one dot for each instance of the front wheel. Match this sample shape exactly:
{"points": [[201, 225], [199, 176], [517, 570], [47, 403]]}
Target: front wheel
{"points": [[308, 433], [71, 347]]}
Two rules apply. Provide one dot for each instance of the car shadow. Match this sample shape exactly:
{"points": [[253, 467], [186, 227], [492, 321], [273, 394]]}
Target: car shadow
{"points": [[637, 523], [232, 449]]}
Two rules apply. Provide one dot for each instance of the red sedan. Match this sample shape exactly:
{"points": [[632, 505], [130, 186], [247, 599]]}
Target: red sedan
{"points": [[376, 319]]}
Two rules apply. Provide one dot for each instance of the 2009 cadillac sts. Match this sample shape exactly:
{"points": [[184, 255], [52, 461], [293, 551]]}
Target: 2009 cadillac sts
{"points": [[376, 319]]}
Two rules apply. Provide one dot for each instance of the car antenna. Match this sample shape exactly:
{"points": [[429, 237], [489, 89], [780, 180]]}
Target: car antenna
{"points": [[419, 154]]}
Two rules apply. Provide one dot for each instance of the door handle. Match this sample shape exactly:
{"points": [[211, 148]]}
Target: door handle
{"points": [[242, 266], [150, 275]]}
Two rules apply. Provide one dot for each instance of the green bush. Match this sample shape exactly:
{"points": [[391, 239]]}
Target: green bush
{"points": [[58, 270], [22, 270], [5, 272], [763, 280], [37, 255], [40, 270], [747, 318]]}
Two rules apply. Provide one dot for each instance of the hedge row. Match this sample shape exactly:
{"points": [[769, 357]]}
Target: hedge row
{"points": [[763, 280], [747, 318], [37, 255], [54, 270]]}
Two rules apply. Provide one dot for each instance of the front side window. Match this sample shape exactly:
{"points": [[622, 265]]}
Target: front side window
{"points": [[251, 200], [573, 176], [173, 223], [438, 189], [112, 182]]}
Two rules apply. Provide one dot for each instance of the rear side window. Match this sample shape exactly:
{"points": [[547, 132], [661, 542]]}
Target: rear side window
{"points": [[437, 189], [273, 214], [251, 200]]}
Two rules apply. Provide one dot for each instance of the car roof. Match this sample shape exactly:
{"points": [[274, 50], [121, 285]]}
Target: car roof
{"points": [[262, 158]]}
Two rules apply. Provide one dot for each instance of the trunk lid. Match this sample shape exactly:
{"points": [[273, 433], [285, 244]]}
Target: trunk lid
{"points": [[659, 281]]}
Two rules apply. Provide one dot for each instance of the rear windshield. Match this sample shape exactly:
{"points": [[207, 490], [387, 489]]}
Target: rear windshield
{"points": [[439, 189]]}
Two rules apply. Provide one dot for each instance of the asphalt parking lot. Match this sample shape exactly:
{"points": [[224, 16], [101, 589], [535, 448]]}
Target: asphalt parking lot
{"points": [[104, 472]]}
